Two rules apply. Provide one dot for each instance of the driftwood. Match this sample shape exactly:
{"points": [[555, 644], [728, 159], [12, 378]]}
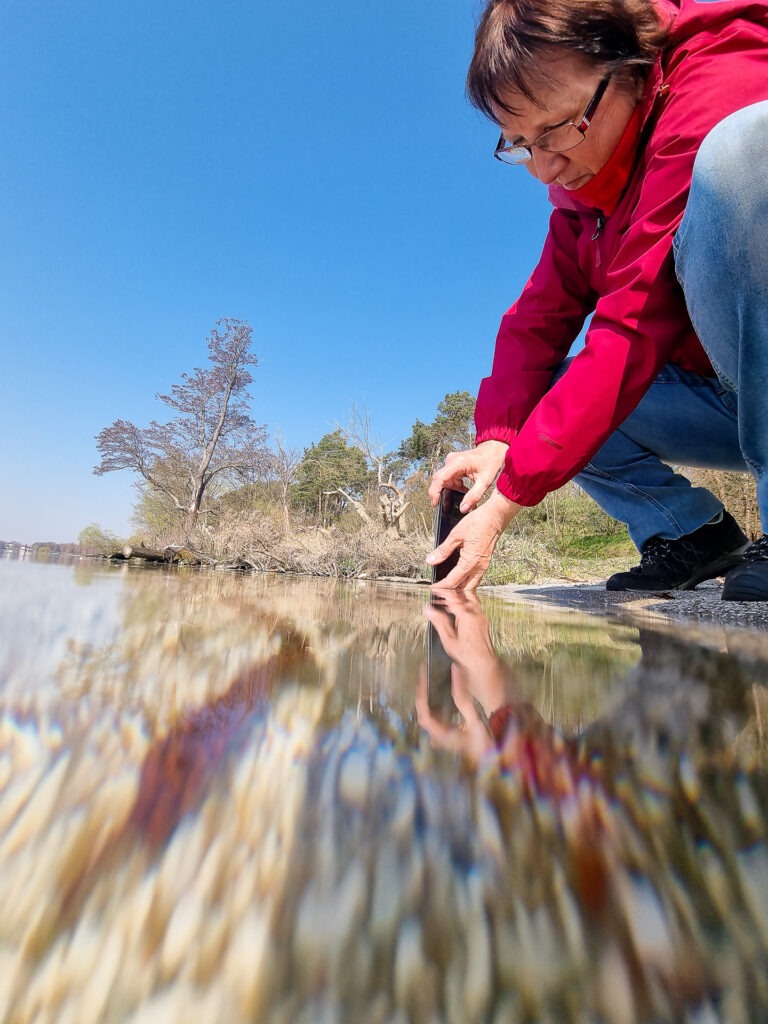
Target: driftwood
{"points": [[148, 554], [170, 553]]}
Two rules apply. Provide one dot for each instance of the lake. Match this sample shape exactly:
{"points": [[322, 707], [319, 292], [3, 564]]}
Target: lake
{"points": [[281, 800]]}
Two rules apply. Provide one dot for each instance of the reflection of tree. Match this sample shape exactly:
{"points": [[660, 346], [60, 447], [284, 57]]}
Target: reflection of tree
{"points": [[186, 635], [85, 573], [178, 765], [567, 665], [203, 658]]}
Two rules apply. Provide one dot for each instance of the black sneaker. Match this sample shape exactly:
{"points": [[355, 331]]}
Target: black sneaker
{"points": [[681, 564], [749, 580]]}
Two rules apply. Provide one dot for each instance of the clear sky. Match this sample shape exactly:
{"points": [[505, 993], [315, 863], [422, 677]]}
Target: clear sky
{"points": [[311, 167]]}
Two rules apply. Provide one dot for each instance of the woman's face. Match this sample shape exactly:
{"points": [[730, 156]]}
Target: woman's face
{"points": [[567, 85]]}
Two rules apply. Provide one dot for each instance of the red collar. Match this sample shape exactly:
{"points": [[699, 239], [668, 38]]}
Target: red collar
{"points": [[606, 188]]}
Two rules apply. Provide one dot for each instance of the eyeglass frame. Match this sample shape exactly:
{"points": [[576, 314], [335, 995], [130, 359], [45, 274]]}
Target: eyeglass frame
{"points": [[502, 146]]}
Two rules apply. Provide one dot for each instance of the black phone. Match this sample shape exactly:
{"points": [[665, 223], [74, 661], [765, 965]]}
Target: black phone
{"points": [[448, 515], [439, 696]]}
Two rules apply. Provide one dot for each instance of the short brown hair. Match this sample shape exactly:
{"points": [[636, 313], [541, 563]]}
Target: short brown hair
{"points": [[513, 35]]}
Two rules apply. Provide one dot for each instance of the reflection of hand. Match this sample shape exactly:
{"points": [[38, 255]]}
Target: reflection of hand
{"points": [[527, 744], [481, 464], [477, 676], [475, 538], [471, 739], [462, 627]]}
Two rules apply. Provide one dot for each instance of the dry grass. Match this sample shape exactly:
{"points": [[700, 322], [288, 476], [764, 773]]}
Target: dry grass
{"points": [[538, 546], [566, 537], [348, 551]]}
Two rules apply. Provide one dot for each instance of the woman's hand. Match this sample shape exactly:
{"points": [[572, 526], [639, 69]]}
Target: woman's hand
{"points": [[475, 537], [481, 465]]}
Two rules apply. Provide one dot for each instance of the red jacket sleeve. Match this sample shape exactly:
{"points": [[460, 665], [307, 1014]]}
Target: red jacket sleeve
{"points": [[535, 334]]}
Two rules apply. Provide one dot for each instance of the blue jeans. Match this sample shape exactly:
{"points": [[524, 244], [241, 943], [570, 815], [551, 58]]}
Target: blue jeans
{"points": [[721, 260]]}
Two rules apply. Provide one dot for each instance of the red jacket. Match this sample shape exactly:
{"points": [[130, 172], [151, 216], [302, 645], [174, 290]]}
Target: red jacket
{"points": [[715, 62]]}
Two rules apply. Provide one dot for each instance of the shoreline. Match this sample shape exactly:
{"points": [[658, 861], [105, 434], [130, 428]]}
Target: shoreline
{"points": [[700, 610]]}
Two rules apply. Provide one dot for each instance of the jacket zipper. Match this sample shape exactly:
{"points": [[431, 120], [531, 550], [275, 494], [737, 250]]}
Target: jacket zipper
{"points": [[600, 224]]}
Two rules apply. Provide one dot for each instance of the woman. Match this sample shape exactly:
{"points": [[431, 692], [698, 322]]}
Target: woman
{"points": [[609, 103]]}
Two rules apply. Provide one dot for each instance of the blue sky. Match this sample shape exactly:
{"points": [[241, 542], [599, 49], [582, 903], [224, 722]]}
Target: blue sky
{"points": [[313, 168]]}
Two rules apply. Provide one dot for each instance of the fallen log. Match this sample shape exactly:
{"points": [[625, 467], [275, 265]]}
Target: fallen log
{"points": [[170, 553], [149, 554]]}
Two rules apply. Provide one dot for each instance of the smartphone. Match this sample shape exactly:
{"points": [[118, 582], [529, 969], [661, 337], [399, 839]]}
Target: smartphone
{"points": [[439, 696], [448, 515]]}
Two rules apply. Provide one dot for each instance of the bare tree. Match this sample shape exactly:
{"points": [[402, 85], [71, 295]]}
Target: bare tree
{"points": [[393, 502], [283, 467], [356, 504], [212, 440]]}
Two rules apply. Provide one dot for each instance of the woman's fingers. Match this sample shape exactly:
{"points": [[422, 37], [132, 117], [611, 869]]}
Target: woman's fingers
{"points": [[476, 546], [457, 605], [450, 475], [444, 625], [480, 465], [482, 482], [454, 541], [465, 576]]}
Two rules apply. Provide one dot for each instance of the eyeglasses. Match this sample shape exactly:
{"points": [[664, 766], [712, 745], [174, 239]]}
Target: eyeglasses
{"points": [[556, 140]]}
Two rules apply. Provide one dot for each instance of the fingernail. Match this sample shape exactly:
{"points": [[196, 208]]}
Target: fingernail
{"points": [[430, 559], [463, 507]]}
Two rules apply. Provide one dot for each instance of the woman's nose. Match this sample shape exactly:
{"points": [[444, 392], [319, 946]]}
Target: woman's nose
{"points": [[546, 166]]}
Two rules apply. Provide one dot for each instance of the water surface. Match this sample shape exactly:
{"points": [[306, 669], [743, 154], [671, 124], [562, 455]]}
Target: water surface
{"points": [[238, 799]]}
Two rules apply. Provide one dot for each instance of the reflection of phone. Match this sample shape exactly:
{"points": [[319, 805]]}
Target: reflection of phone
{"points": [[448, 515], [439, 695]]}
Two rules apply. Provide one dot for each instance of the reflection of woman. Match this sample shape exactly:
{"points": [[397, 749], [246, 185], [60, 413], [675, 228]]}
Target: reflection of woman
{"points": [[649, 819], [609, 102], [679, 698]]}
